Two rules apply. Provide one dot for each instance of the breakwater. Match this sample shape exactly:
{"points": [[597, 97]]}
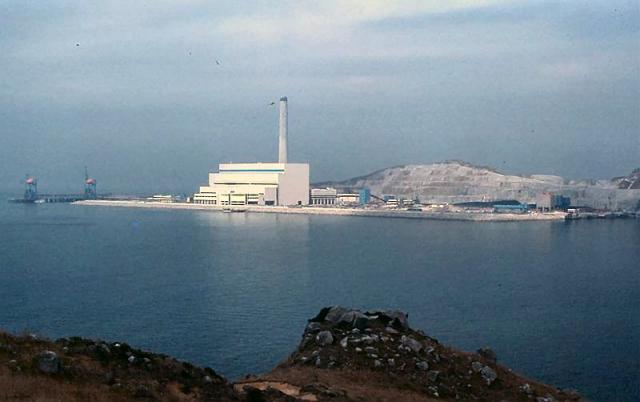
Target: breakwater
{"points": [[381, 213]]}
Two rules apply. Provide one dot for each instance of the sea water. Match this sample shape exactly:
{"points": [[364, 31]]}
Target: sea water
{"points": [[558, 302]]}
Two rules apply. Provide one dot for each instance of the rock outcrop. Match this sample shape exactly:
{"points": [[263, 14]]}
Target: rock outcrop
{"points": [[378, 356], [457, 181]]}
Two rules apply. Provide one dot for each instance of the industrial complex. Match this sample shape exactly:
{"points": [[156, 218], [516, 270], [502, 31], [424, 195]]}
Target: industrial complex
{"points": [[284, 187], [272, 183]]}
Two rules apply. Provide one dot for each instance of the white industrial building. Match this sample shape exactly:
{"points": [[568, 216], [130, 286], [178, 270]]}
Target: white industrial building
{"points": [[280, 183], [324, 196]]}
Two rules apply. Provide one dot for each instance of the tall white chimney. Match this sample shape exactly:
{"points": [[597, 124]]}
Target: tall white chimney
{"points": [[282, 145]]}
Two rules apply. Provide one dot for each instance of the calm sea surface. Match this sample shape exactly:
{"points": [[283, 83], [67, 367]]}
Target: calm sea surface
{"points": [[559, 302]]}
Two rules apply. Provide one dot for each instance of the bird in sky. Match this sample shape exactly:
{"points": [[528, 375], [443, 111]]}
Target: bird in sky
{"points": [[218, 62], [272, 103], [77, 44]]}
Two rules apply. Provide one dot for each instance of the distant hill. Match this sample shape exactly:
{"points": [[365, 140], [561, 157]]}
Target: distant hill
{"points": [[631, 182], [459, 181]]}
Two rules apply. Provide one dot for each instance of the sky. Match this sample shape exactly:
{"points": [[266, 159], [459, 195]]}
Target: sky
{"points": [[152, 95]]}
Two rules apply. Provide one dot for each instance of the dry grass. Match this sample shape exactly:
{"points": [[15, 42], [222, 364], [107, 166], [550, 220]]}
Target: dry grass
{"points": [[43, 389]]}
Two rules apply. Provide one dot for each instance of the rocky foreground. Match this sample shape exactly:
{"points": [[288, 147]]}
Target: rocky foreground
{"points": [[344, 355]]}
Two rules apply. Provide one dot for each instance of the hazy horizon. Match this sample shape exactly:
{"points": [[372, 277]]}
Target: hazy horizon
{"points": [[151, 96]]}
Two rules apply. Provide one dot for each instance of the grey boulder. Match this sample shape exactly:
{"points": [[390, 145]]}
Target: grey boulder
{"points": [[48, 362]]}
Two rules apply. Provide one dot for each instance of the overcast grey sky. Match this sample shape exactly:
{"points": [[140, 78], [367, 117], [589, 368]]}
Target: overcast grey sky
{"points": [[132, 88]]}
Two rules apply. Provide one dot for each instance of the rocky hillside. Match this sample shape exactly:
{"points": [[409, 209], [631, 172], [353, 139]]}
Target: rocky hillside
{"points": [[456, 181], [350, 355], [76, 369], [344, 355], [631, 182]]}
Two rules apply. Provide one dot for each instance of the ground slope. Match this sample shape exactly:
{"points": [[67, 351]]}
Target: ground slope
{"points": [[344, 355]]}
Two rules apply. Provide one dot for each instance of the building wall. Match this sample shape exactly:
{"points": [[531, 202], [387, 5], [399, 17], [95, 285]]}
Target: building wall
{"points": [[257, 184], [293, 188], [323, 196]]}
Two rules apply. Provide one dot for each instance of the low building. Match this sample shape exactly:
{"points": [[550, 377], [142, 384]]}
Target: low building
{"points": [[161, 198], [348, 198], [324, 196], [550, 201], [510, 209], [256, 184], [391, 202]]}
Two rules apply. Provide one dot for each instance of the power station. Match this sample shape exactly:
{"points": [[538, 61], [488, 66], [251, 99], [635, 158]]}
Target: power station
{"points": [[271, 183]]}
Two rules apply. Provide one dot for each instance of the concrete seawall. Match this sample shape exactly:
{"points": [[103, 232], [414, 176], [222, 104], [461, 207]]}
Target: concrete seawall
{"points": [[459, 216]]}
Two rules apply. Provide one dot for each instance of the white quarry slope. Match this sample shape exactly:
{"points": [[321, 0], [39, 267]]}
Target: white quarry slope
{"points": [[456, 181]]}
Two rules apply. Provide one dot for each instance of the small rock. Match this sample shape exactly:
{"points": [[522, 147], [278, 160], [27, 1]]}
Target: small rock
{"points": [[355, 331], [313, 327], [546, 398], [526, 388], [369, 340], [362, 322], [476, 366], [399, 320], [422, 365], [335, 313], [377, 363], [391, 362], [391, 331], [358, 350], [344, 342], [324, 338], [131, 359], [305, 341], [370, 349], [207, 379], [434, 391], [315, 353], [432, 375], [488, 374], [409, 342], [349, 318], [48, 362]]}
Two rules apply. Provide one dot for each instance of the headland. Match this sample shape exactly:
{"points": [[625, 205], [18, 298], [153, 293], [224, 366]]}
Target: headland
{"points": [[344, 355]]}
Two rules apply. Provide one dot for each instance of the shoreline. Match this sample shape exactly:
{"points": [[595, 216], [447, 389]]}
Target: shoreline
{"points": [[453, 216]]}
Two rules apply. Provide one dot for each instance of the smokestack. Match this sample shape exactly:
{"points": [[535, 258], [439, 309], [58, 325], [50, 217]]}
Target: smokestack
{"points": [[282, 145]]}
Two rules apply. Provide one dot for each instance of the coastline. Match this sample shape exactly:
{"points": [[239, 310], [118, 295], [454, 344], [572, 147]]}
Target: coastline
{"points": [[344, 354], [455, 216]]}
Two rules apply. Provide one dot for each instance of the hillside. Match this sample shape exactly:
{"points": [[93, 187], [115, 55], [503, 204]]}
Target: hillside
{"points": [[344, 355], [457, 181]]}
